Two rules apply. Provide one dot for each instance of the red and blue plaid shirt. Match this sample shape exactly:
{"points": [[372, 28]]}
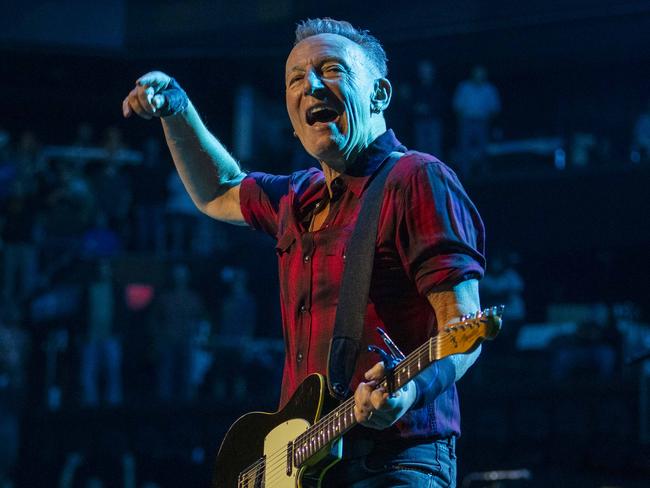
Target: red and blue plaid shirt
{"points": [[430, 235]]}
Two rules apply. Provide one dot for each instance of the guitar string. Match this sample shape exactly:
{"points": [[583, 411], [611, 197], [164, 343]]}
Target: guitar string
{"points": [[277, 470], [273, 462], [330, 419], [273, 470], [476, 320], [278, 458], [325, 420]]}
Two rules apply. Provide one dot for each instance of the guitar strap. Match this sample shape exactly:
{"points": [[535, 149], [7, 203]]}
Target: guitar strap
{"points": [[345, 344]]}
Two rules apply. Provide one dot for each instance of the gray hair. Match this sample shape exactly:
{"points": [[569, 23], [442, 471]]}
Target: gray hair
{"points": [[369, 43]]}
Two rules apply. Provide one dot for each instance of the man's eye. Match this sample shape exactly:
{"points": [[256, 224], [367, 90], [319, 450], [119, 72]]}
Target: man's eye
{"points": [[295, 79], [334, 68]]}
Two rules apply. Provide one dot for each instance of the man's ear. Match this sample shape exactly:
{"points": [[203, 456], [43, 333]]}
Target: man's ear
{"points": [[381, 95]]}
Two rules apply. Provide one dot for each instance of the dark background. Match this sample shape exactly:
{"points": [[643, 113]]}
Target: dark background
{"points": [[582, 234]]}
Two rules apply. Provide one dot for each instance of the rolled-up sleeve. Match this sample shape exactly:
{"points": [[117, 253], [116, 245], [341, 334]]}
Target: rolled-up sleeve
{"points": [[260, 197], [441, 237]]}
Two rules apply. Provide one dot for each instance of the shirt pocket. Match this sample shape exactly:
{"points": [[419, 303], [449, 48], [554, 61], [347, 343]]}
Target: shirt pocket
{"points": [[330, 264], [285, 244]]}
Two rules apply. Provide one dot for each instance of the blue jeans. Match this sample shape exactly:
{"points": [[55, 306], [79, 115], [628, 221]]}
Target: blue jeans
{"points": [[430, 465]]}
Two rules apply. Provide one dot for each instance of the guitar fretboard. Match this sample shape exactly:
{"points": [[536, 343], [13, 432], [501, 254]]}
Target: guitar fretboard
{"points": [[459, 338]]}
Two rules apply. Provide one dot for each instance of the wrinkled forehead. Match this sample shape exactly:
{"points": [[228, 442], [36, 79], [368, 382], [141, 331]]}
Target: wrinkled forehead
{"points": [[315, 49]]}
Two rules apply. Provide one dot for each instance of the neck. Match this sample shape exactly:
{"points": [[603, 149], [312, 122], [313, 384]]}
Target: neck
{"points": [[330, 175], [334, 168]]}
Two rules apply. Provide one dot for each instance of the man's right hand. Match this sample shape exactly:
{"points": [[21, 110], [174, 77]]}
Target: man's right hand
{"points": [[151, 96], [210, 174]]}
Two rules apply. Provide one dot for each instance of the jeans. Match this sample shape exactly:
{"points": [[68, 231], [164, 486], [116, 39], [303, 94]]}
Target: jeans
{"points": [[429, 464]]}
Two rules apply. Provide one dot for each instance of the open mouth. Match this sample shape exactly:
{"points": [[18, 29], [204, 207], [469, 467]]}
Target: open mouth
{"points": [[321, 113]]}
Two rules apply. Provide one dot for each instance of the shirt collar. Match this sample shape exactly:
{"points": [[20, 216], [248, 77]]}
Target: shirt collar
{"points": [[357, 177]]}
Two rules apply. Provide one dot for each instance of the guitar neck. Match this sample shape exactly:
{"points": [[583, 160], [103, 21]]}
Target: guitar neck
{"points": [[462, 337]]}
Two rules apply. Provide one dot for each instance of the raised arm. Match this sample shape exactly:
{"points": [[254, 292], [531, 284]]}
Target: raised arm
{"points": [[210, 174]]}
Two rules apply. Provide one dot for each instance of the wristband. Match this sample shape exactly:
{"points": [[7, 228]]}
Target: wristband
{"points": [[431, 382], [176, 99]]}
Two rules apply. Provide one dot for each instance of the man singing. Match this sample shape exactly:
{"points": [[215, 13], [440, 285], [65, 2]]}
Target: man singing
{"points": [[429, 244]]}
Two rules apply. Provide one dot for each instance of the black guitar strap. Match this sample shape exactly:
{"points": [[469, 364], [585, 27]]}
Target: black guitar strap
{"points": [[355, 286]]}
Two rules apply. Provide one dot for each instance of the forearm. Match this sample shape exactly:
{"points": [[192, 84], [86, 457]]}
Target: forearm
{"points": [[449, 306], [203, 163]]}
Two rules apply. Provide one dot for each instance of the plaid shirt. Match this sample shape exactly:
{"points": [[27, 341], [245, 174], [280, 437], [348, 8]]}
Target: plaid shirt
{"points": [[430, 235]]}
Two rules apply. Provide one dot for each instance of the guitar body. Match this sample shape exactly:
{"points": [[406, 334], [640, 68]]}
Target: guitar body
{"points": [[264, 436], [295, 446]]}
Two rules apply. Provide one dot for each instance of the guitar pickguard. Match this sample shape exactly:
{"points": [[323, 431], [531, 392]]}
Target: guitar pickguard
{"points": [[276, 473]]}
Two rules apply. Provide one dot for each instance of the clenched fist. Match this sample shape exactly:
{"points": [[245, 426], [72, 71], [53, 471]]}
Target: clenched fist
{"points": [[155, 95]]}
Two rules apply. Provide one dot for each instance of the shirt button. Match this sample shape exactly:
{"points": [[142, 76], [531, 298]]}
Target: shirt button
{"points": [[306, 259], [299, 357], [303, 309]]}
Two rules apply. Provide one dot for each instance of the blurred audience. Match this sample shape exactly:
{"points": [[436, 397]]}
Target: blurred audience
{"points": [[100, 240], [111, 189], [113, 141], [101, 355], [238, 310], [79, 470], [593, 352], [14, 349], [476, 102], [149, 197], [427, 110], [68, 208], [18, 229], [28, 161], [85, 136], [175, 322], [641, 140], [182, 216], [502, 284]]}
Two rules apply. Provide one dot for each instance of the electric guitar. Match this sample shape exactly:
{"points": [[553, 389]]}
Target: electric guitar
{"points": [[295, 446]]}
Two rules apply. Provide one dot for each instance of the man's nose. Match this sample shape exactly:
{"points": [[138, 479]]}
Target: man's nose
{"points": [[313, 84]]}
